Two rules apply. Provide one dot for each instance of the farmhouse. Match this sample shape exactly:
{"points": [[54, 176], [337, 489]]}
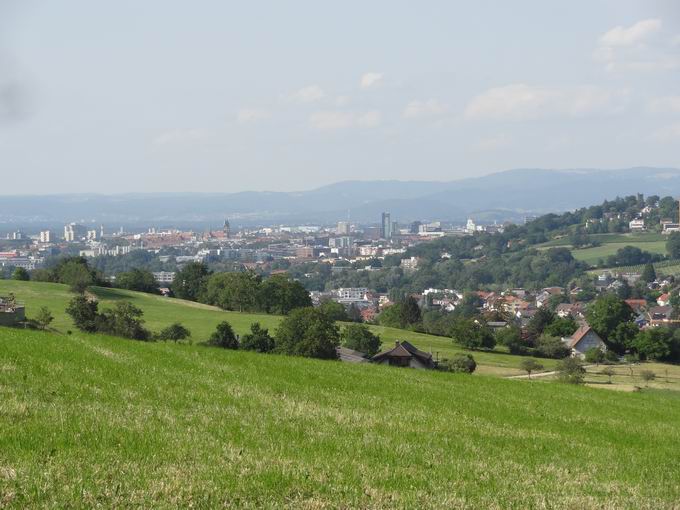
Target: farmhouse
{"points": [[404, 355], [583, 339], [11, 312]]}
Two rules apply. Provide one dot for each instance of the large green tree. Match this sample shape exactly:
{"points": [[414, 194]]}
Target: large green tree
{"points": [[190, 281], [673, 245], [606, 313], [308, 332], [473, 334], [137, 279], [360, 338]]}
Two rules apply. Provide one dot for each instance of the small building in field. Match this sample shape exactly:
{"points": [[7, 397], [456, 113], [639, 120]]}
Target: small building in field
{"points": [[584, 338], [404, 354], [11, 311]]}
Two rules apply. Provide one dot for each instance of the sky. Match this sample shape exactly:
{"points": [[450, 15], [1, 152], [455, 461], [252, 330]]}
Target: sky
{"points": [[223, 96]]}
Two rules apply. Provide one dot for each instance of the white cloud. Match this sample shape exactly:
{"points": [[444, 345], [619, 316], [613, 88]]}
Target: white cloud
{"points": [[668, 104], [249, 115], [627, 36], [369, 80], [637, 48], [179, 136], [334, 120], [309, 94], [525, 102], [429, 108], [667, 134]]}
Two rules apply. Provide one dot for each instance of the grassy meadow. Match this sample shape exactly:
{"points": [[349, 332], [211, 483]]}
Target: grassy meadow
{"points": [[592, 255], [93, 421], [201, 320], [610, 244]]}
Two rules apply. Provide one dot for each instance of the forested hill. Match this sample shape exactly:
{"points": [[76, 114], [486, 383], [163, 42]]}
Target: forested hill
{"points": [[521, 256], [508, 195]]}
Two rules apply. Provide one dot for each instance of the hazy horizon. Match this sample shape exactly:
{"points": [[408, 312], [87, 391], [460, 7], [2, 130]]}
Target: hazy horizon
{"points": [[170, 97]]}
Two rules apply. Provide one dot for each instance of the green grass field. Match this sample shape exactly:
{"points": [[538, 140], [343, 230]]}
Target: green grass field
{"points": [[202, 319], [592, 255], [92, 421], [641, 237]]}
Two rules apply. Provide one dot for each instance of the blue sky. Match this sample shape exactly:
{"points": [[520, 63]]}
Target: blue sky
{"points": [[230, 96]]}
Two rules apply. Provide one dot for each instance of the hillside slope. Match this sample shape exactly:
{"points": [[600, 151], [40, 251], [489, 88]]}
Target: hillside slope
{"points": [[97, 421], [201, 320]]}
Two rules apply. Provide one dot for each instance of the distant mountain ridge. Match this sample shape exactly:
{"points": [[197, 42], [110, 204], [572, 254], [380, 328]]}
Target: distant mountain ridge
{"points": [[510, 194]]}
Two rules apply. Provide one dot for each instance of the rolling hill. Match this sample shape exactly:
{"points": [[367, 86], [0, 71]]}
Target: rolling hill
{"points": [[94, 421], [201, 320]]}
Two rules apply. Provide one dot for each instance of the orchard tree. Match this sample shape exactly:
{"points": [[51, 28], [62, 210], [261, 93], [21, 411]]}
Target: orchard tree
{"points": [[530, 365], [571, 371], [44, 317], [609, 372]]}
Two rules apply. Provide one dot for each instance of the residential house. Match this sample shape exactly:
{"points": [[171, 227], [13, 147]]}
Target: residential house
{"points": [[636, 225], [660, 316], [637, 305], [404, 354], [545, 295], [664, 299], [573, 310], [583, 339]]}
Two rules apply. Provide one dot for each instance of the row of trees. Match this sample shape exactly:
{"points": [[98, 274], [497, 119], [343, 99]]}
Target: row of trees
{"points": [[308, 332], [243, 291]]}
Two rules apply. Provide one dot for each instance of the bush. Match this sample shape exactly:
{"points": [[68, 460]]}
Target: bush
{"points": [[551, 347], [595, 355], [611, 357], [461, 364], [571, 371], [174, 332], [511, 337], [224, 336], [359, 338], [258, 339], [20, 274], [124, 319]]}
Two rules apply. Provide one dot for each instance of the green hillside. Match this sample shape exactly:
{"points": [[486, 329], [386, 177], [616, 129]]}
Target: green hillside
{"points": [[92, 421], [202, 319]]}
